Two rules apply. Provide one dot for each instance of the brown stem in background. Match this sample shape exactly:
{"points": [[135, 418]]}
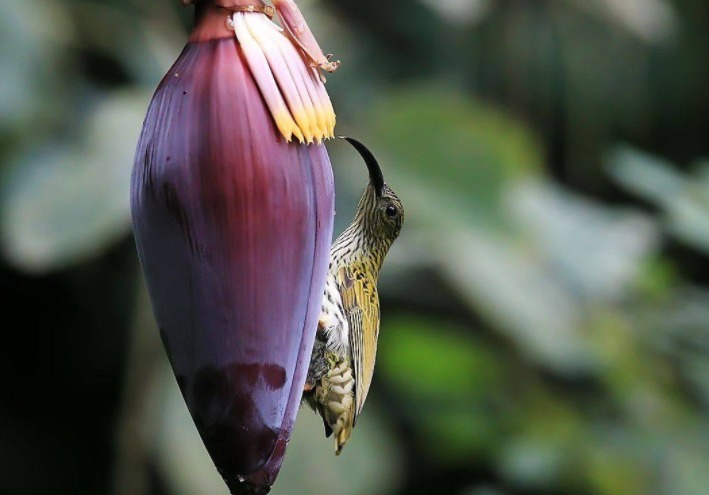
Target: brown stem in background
{"points": [[210, 18], [132, 457], [226, 4]]}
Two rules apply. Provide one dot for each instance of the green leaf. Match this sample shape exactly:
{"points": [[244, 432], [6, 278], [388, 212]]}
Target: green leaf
{"points": [[684, 198], [459, 154], [448, 383], [62, 205], [31, 38], [646, 175], [436, 361]]}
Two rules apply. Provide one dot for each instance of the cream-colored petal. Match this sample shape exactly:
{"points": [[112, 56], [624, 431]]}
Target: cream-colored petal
{"points": [[263, 75], [293, 90], [281, 73], [324, 100], [298, 72], [316, 90]]}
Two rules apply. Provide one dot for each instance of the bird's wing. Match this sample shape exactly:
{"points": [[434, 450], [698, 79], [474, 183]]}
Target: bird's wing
{"points": [[360, 302]]}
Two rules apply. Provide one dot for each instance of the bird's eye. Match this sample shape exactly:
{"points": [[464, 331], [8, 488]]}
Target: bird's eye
{"points": [[391, 211]]}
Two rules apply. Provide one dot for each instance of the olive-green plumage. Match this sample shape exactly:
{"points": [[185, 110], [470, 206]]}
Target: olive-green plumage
{"points": [[342, 363]]}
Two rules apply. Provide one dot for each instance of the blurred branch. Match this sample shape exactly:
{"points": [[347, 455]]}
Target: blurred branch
{"points": [[132, 459]]}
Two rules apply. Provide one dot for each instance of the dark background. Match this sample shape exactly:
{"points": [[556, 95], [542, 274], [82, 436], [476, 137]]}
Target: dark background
{"points": [[545, 313]]}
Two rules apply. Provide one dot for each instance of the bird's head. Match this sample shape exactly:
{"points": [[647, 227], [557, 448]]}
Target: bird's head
{"points": [[380, 211]]}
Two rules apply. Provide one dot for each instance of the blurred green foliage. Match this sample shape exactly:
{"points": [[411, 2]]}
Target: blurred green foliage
{"points": [[546, 310]]}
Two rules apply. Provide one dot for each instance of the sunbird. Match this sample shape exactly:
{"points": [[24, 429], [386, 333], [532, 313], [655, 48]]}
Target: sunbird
{"points": [[342, 362]]}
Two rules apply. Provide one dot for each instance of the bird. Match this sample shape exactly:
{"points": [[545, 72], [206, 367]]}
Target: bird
{"points": [[342, 362]]}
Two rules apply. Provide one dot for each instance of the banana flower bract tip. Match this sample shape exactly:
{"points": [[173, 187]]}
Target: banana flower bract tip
{"points": [[233, 225]]}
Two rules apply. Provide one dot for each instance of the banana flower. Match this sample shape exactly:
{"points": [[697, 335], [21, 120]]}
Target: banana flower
{"points": [[232, 198]]}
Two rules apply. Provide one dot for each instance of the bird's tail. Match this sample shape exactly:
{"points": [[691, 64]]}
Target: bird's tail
{"points": [[337, 402]]}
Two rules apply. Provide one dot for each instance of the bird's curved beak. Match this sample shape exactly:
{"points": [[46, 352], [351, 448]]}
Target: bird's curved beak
{"points": [[375, 172]]}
